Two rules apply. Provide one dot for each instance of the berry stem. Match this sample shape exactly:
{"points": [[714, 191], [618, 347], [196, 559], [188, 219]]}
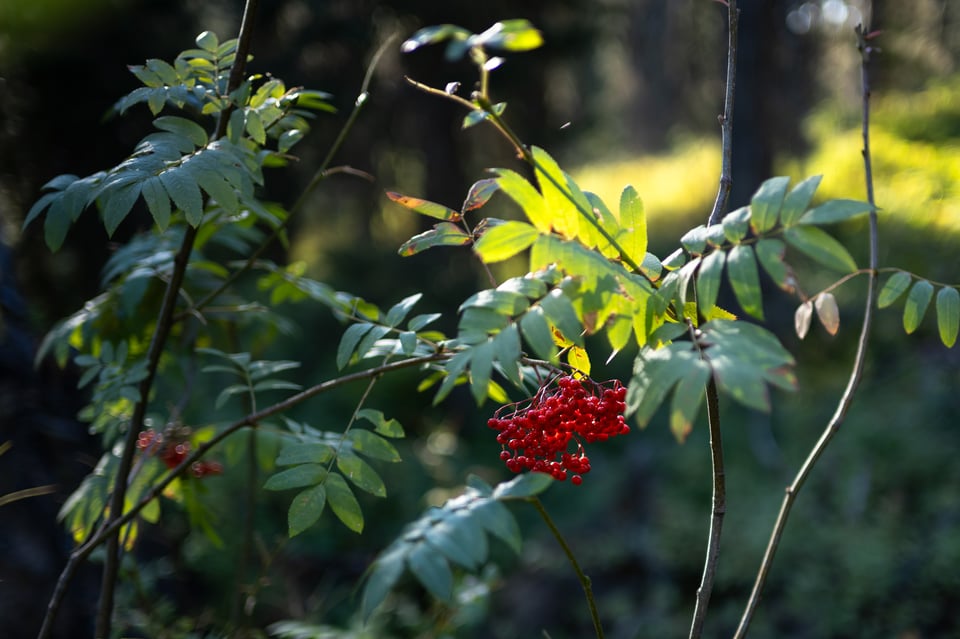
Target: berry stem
{"points": [[584, 579]]}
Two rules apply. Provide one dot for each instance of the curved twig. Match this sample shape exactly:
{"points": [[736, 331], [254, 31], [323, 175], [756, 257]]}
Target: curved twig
{"points": [[855, 374]]}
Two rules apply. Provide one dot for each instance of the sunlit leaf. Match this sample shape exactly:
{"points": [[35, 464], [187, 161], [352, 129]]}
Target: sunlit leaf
{"points": [[948, 315], [510, 35], [695, 240], [505, 240], [518, 189], [633, 219], [398, 312], [425, 207], [381, 425], [348, 343], [536, 330]]}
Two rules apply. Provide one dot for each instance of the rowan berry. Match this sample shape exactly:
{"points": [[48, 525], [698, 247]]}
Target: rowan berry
{"points": [[535, 434]]}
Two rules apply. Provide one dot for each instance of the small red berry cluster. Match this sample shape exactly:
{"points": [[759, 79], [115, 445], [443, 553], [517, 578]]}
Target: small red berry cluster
{"points": [[535, 434], [171, 452]]}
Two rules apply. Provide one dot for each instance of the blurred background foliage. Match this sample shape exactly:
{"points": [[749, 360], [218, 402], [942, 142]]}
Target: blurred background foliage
{"points": [[624, 91]]}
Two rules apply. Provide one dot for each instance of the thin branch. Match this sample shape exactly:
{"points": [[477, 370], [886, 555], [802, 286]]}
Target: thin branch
{"points": [[584, 579], [26, 493], [718, 511], [856, 373], [718, 483], [726, 120]]}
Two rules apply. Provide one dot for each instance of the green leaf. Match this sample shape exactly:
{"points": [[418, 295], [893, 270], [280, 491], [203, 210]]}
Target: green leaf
{"points": [[560, 311], [455, 538], [505, 240], [370, 339], [497, 520], [481, 366], [254, 126], [398, 312], [208, 41], [916, 306], [419, 322], [117, 204], [536, 330], [361, 474], [305, 453], [56, 224], [518, 189], [381, 425], [373, 446], [431, 569], [503, 302], [305, 509], [443, 234], [695, 240], [348, 343], [896, 286], [183, 127], [798, 200], [296, 477], [770, 254], [948, 315], [766, 202], [687, 397], [506, 347], [219, 189], [743, 276], [157, 201], [425, 207], [184, 192], [633, 219], [523, 486], [385, 572], [821, 247], [343, 503], [835, 211], [708, 279], [474, 118], [655, 371], [736, 224]]}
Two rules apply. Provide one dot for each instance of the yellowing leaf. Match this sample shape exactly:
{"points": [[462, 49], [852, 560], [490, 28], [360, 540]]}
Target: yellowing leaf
{"points": [[579, 359], [633, 219]]}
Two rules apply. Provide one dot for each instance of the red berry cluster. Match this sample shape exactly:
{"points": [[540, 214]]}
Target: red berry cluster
{"points": [[536, 434], [172, 452]]}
